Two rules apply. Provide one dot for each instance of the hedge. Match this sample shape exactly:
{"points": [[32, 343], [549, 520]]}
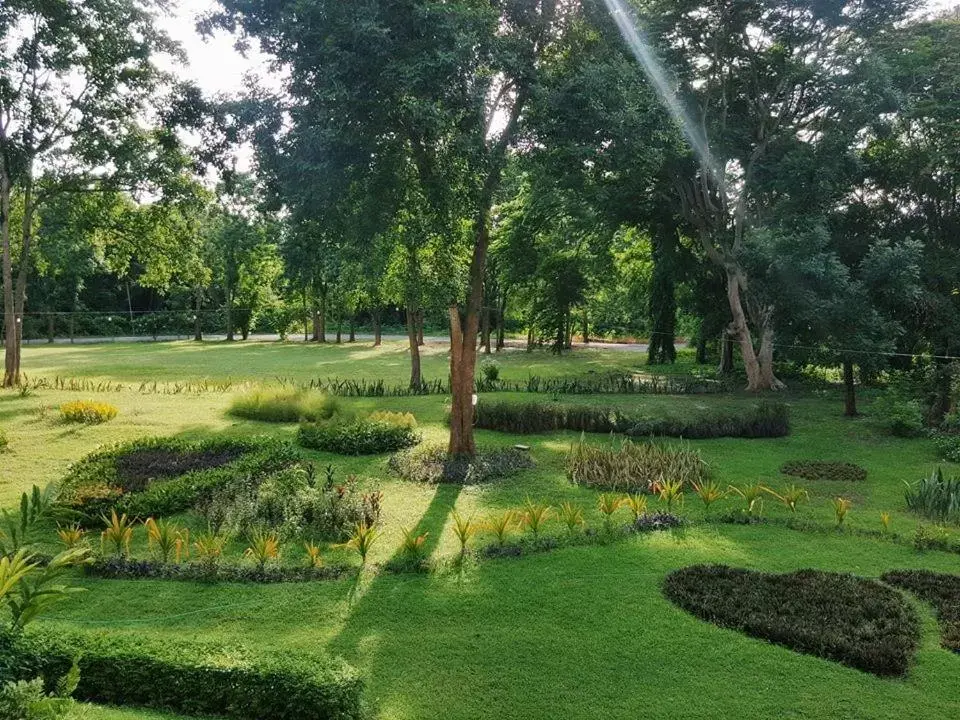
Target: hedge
{"points": [[824, 470], [940, 590], [766, 419], [188, 678], [861, 623], [357, 437], [96, 484]]}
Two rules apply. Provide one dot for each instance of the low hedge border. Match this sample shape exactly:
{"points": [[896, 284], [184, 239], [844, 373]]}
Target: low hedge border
{"points": [[92, 487], [824, 470], [851, 620], [764, 420], [126, 569], [188, 678], [940, 590], [357, 437]]}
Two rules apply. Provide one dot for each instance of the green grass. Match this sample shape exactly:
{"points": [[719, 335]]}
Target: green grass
{"points": [[578, 633]]}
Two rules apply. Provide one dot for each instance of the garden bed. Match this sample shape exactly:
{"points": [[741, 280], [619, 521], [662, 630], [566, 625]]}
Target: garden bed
{"points": [[824, 470], [940, 590]]}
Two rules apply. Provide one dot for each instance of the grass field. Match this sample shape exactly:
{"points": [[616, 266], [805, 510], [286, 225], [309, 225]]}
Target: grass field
{"points": [[576, 633]]}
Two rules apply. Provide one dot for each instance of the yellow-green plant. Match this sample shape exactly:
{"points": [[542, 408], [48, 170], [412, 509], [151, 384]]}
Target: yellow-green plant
{"points": [[791, 496], [314, 556], [709, 492], [752, 495], [71, 535], [87, 412], [841, 506], [209, 546], [885, 521], [264, 546], [363, 538], [671, 492], [534, 515], [572, 516], [501, 524], [463, 529], [182, 546], [162, 536], [637, 502], [27, 587], [118, 533], [412, 546], [608, 504]]}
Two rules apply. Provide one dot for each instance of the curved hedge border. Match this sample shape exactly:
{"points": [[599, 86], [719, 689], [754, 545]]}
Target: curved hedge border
{"points": [[115, 568], [93, 485], [940, 590], [824, 470], [188, 678], [764, 420], [858, 622]]}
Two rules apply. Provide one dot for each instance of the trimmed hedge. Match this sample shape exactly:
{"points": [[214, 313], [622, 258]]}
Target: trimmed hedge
{"points": [[367, 436], [858, 622], [188, 678], [433, 464], [823, 470], [940, 590], [96, 484], [117, 568], [766, 419]]}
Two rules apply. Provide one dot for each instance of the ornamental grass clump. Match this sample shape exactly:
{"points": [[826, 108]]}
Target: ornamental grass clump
{"points": [[571, 516], [534, 516], [935, 497], [629, 467], [284, 406], [608, 504], [501, 525], [118, 533]]}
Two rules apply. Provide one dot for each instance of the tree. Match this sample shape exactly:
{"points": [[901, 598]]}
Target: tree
{"points": [[73, 88]]}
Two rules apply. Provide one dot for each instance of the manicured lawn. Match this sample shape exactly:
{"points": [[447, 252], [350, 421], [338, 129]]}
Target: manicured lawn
{"points": [[577, 633]]}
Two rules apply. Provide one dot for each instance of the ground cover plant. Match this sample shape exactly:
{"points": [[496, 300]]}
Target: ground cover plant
{"points": [[824, 470], [283, 405], [940, 590], [854, 621], [767, 419], [87, 412], [431, 463], [935, 497], [380, 432], [634, 466]]}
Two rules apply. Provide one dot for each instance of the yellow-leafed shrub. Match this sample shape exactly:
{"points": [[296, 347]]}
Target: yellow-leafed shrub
{"points": [[87, 412]]}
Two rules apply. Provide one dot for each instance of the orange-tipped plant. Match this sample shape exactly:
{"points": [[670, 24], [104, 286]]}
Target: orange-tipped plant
{"points": [[500, 525], [534, 515], [572, 516], [608, 504], [71, 536], [118, 533]]}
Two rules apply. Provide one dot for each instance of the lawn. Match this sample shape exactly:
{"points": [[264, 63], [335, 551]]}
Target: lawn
{"points": [[577, 632]]}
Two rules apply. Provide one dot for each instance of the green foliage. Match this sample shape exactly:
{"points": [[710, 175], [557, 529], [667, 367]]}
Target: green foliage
{"points": [[463, 529], [671, 492], [489, 372], [363, 538], [764, 420], [431, 463], [820, 470], [28, 588], [709, 492], [28, 700], [501, 524], [192, 678], [948, 446], [935, 497], [898, 414], [87, 412], [534, 515], [940, 590], [791, 496], [857, 622], [284, 406], [164, 537], [608, 504], [19, 529], [633, 467], [118, 533], [572, 517], [385, 432], [264, 547], [841, 507]]}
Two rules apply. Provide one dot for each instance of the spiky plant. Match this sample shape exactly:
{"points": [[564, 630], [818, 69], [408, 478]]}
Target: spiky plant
{"points": [[264, 546], [500, 525], [841, 506], [314, 556], [118, 533], [608, 504], [885, 521], [182, 546], [752, 496], [791, 496], [162, 536], [71, 535], [463, 529], [572, 516], [671, 492], [534, 515], [413, 545], [363, 538], [209, 546], [709, 492]]}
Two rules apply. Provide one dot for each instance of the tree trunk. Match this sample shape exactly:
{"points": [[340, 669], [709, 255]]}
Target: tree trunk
{"points": [[353, 328], [198, 320], [768, 381], [10, 376], [501, 330], [229, 312], [485, 332], [51, 327], [377, 329], [339, 327], [726, 353], [759, 368], [585, 323], [663, 301], [850, 389], [415, 380], [420, 318]]}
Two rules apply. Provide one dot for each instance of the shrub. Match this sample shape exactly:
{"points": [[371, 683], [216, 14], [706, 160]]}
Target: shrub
{"points": [[948, 446], [489, 372], [763, 420], [899, 415], [189, 678], [858, 622], [388, 432], [118, 568], [649, 522], [87, 412], [432, 464], [634, 467], [940, 590], [823, 470], [935, 498], [98, 483], [283, 406]]}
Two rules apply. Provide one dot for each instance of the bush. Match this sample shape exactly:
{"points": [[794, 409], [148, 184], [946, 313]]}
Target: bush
{"points": [[858, 622], [763, 420], [634, 467], [87, 412], [899, 415], [119, 568], [948, 446], [935, 497], [188, 678], [283, 406], [652, 521], [385, 432], [940, 590], [821, 470], [97, 483], [489, 372], [432, 464]]}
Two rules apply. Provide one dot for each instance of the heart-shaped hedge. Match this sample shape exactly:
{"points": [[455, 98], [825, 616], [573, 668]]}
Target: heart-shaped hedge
{"points": [[858, 622]]}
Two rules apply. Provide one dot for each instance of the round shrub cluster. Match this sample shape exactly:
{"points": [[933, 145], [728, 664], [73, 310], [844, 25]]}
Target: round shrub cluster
{"points": [[948, 446], [433, 464], [858, 622], [381, 432], [87, 412], [824, 470]]}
